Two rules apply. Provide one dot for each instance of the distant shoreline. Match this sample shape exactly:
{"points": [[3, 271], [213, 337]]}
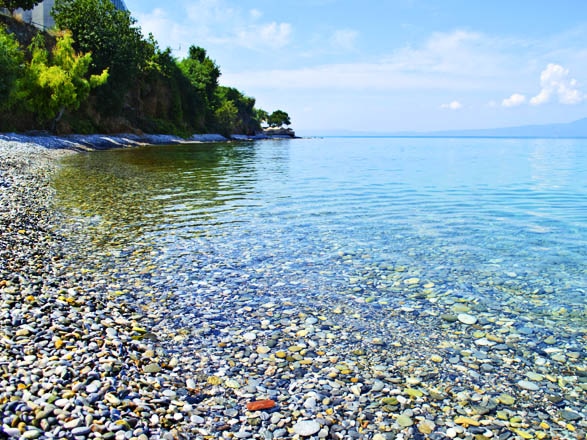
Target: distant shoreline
{"points": [[423, 136], [92, 142]]}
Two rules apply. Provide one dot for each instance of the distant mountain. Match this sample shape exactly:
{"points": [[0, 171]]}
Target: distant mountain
{"points": [[576, 129]]}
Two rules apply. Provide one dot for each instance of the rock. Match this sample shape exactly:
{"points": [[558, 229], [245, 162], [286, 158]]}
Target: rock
{"points": [[197, 420], [506, 399], [534, 376], [152, 368], [232, 383], [279, 132], [449, 318], [571, 416], [11, 432], [263, 349], [426, 426], [259, 405], [404, 421], [306, 428], [377, 386], [310, 403], [461, 308], [467, 421], [74, 423], [32, 434], [82, 430], [465, 318], [249, 336], [527, 385]]}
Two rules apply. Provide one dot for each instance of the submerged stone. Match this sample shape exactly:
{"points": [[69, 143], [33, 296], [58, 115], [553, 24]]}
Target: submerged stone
{"points": [[465, 318]]}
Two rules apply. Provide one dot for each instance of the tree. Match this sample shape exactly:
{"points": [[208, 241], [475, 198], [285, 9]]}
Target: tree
{"points": [[202, 73], [57, 82], [11, 59], [247, 122], [262, 116], [113, 39], [279, 118], [13, 5], [227, 117]]}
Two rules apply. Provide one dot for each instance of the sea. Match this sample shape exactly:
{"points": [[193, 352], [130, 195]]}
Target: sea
{"points": [[371, 223]]}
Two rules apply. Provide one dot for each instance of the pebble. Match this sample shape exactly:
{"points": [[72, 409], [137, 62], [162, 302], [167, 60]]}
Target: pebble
{"points": [[82, 430], [571, 416], [465, 318], [306, 428], [249, 336], [404, 421], [152, 368], [377, 386], [528, 385], [101, 340]]}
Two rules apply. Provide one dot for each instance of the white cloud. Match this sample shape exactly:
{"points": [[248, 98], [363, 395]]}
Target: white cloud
{"points": [[255, 13], [458, 52], [358, 76], [454, 105], [270, 35], [344, 39], [166, 30], [454, 61], [556, 84], [209, 22], [513, 101]]}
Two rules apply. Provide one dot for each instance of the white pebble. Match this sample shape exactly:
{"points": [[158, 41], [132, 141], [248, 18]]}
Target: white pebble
{"points": [[306, 427]]}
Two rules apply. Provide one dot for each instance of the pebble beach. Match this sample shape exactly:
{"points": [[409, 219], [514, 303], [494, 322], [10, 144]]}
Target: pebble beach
{"points": [[93, 346]]}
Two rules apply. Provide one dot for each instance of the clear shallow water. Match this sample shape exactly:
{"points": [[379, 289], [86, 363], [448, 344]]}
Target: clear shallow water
{"points": [[376, 222]]}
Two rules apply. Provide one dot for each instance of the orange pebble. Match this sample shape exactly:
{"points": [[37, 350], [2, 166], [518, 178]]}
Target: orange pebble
{"points": [[260, 404]]}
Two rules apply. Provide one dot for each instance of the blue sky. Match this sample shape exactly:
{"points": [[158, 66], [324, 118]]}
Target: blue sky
{"points": [[390, 65]]}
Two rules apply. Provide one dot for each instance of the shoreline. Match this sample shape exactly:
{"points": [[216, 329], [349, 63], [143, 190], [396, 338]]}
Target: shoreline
{"points": [[91, 352], [92, 142], [68, 344]]}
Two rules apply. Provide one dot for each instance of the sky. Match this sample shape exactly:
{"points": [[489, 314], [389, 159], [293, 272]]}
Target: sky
{"points": [[389, 65]]}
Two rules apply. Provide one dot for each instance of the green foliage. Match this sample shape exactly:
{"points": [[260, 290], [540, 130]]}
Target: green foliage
{"points": [[202, 74], [227, 117], [11, 59], [12, 5], [262, 116], [247, 121], [147, 88], [113, 39], [56, 81], [279, 118]]}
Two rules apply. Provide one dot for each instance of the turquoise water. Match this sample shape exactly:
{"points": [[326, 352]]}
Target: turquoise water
{"points": [[376, 222]]}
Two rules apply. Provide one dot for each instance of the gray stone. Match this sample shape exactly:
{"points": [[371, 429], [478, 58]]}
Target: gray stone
{"points": [[527, 385]]}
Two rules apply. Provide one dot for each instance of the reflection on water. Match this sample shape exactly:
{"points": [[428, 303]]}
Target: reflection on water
{"points": [[501, 221], [131, 193]]}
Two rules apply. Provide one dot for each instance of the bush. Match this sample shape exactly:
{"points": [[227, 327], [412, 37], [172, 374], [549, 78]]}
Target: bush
{"points": [[11, 59]]}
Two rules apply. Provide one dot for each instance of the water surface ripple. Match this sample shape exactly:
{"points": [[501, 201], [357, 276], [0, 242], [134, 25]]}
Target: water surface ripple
{"points": [[501, 223]]}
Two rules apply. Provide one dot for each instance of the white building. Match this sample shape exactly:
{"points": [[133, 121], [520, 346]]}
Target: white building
{"points": [[41, 17]]}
